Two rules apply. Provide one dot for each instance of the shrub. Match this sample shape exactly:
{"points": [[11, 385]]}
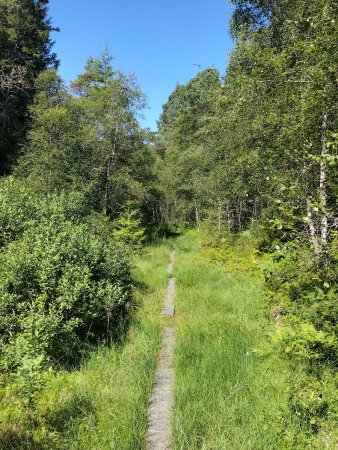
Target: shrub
{"points": [[21, 208], [308, 335], [128, 229], [18, 207], [62, 288]]}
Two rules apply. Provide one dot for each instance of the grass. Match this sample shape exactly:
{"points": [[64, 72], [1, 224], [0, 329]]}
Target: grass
{"points": [[119, 381], [104, 404], [226, 396]]}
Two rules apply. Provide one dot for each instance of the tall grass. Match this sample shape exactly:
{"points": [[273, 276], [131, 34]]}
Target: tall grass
{"points": [[119, 381], [226, 396]]}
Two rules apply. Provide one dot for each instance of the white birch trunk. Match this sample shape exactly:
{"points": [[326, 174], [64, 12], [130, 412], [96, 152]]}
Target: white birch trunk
{"points": [[313, 231], [323, 172]]}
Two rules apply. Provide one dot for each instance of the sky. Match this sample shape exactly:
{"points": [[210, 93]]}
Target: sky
{"points": [[162, 42]]}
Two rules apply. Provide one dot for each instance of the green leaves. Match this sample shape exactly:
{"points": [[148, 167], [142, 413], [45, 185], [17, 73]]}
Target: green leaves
{"points": [[88, 139], [25, 51], [63, 285]]}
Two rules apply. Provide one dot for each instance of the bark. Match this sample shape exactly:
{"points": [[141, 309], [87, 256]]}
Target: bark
{"points": [[108, 170], [16, 80], [219, 215], [197, 216], [313, 231], [239, 215], [106, 193], [323, 183]]}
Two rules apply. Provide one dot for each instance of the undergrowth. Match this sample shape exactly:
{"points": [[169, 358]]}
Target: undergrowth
{"points": [[102, 405]]}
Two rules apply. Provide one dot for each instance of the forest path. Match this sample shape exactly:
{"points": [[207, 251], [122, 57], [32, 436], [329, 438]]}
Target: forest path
{"points": [[161, 403]]}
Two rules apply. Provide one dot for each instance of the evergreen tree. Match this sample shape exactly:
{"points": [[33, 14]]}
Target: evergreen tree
{"points": [[25, 51]]}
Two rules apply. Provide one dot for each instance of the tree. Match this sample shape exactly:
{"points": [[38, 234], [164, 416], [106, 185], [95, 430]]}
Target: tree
{"points": [[88, 139], [25, 49], [110, 102], [184, 141]]}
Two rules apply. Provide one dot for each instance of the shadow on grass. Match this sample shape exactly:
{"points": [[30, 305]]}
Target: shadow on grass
{"points": [[141, 286], [53, 431], [75, 409], [158, 233], [19, 439]]}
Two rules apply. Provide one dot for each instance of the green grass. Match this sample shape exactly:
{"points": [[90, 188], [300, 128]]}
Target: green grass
{"points": [[119, 382], [103, 405], [226, 396]]}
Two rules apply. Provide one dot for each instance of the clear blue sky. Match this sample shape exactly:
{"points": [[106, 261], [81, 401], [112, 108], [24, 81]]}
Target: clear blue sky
{"points": [[160, 41]]}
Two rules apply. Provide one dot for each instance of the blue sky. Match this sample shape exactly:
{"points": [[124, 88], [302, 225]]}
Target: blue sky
{"points": [[162, 42]]}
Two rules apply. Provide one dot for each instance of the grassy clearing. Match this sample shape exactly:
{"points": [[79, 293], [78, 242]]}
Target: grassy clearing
{"points": [[104, 404], [226, 396]]}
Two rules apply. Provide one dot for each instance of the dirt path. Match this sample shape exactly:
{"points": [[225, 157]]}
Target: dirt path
{"points": [[160, 408]]}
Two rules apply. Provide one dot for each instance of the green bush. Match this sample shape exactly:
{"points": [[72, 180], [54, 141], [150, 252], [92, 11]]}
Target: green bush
{"points": [[62, 288], [21, 208], [307, 335], [18, 207]]}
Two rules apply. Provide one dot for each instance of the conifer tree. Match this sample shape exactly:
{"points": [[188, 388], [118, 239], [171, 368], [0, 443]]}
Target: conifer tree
{"points": [[25, 51]]}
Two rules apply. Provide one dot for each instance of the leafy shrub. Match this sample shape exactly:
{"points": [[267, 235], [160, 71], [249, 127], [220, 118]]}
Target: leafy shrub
{"points": [[62, 288], [21, 208], [308, 335], [18, 207]]}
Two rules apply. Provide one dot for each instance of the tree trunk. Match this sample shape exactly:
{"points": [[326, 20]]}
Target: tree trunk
{"points": [[106, 192], [219, 215], [239, 216], [108, 170], [312, 228], [323, 183], [197, 216]]}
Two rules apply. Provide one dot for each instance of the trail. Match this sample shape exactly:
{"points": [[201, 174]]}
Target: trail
{"points": [[161, 403]]}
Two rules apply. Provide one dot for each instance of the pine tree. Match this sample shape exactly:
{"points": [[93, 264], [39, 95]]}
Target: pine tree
{"points": [[25, 51]]}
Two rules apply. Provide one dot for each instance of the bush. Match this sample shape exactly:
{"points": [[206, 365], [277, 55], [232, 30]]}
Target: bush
{"points": [[62, 289], [308, 331], [18, 207], [21, 208]]}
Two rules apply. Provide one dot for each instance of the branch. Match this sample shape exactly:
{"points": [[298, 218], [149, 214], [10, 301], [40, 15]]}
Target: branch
{"points": [[17, 80]]}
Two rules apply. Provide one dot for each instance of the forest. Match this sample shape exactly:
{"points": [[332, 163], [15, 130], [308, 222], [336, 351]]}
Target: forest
{"points": [[243, 162]]}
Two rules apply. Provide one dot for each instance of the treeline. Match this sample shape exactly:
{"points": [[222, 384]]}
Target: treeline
{"points": [[25, 51], [258, 149]]}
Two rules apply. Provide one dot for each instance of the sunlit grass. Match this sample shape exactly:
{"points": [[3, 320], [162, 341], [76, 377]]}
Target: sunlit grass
{"points": [[226, 396]]}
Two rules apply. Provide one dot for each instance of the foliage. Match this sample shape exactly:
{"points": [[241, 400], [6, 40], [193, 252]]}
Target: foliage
{"points": [[63, 285], [76, 407], [77, 287], [26, 50], [128, 229], [184, 138], [21, 208], [308, 335], [88, 139]]}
